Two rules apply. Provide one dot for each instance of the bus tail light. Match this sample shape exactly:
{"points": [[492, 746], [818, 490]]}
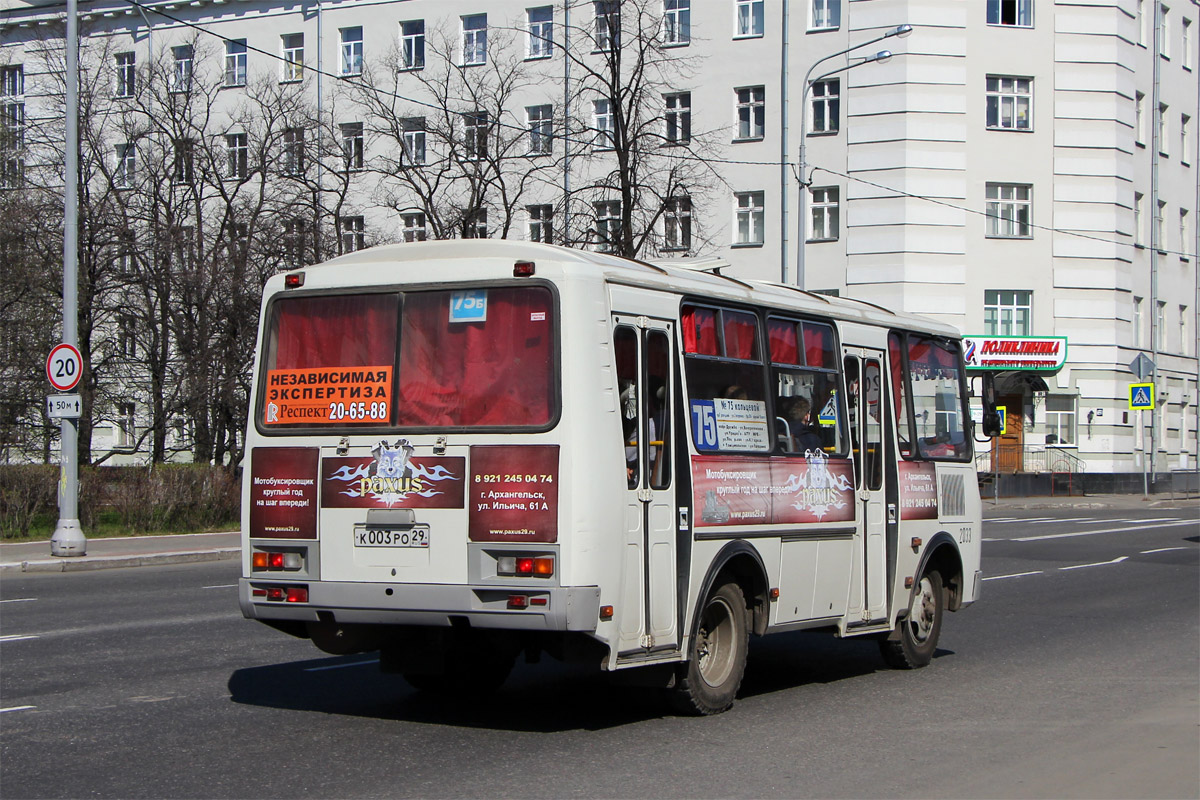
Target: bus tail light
{"points": [[275, 593], [297, 594], [293, 280], [272, 560], [518, 601], [525, 566], [523, 269]]}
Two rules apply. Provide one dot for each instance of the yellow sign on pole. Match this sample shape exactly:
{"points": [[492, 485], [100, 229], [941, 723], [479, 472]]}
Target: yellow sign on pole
{"points": [[1141, 397], [1003, 419]]}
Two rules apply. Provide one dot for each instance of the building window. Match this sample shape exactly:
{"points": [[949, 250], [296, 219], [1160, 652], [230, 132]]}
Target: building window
{"points": [[1183, 330], [413, 140], [608, 226], [751, 112], [352, 145], [677, 224], [541, 223], [1139, 202], [12, 144], [826, 106], [412, 44], [293, 56], [1141, 22], [607, 29], [1060, 419], [1018, 13], [678, 117], [235, 62], [1009, 103], [1160, 326], [126, 75], [127, 336], [1160, 229], [748, 18], [540, 23], [181, 76], [126, 260], [475, 225], [182, 171], [604, 125], [1164, 41], [474, 39], [539, 121], [1007, 312], [237, 155], [351, 229], [1139, 119], [475, 134], [750, 218], [294, 232], [1163, 129], [12, 81], [1185, 27], [414, 227], [1009, 207], [293, 151], [824, 214], [125, 165], [677, 22], [125, 434], [352, 50], [826, 15], [1138, 323], [1185, 139]]}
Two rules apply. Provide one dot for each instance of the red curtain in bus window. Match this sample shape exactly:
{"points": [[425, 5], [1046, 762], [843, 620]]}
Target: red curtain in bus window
{"points": [[740, 341], [818, 346], [341, 331], [781, 335], [700, 331], [495, 372]]}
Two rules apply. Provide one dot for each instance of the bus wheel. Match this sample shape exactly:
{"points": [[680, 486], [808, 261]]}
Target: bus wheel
{"points": [[915, 638], [708, 682]]}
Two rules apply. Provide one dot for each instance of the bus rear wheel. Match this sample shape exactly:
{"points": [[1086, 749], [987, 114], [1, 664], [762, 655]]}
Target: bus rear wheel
{"points": [[912, 644], [708, 682]]}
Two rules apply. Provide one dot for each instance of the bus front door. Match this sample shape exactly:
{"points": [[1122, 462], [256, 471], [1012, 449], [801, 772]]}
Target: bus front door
{"points": [[647, 614], [865, 380]]}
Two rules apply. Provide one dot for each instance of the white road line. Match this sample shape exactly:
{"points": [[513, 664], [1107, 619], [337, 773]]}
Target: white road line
{"points": [[1068, 519], [1116, 560], [1015, 575], [342, 666], [221, 586], [1162, 550], [1033, 519], [1095, 532], [19, 600], [17, 637], [15, 708]]}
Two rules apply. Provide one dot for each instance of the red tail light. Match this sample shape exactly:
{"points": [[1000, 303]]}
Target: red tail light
{"points": [[275, 593], [518, 601], [297, 594], [275, 560], [524, 566], [293, 280]]}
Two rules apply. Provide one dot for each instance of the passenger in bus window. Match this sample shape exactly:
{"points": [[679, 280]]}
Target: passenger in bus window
{"points": [[797, 411]]}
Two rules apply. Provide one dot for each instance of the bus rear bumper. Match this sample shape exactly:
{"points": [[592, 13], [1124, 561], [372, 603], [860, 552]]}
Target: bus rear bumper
{"points": [[574, 608]]}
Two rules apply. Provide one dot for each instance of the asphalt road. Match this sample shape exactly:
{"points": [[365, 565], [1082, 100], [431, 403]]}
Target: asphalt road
{"points": [[1076, 675]]}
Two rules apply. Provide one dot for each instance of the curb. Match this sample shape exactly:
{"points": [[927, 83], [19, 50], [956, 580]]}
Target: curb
{"points": [[88, 563]]}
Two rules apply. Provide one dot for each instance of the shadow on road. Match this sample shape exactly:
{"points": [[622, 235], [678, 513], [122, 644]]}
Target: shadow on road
{"points": [[544, 697]]}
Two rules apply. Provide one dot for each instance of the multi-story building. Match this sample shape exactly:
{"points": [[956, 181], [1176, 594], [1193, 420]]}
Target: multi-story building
{"points": [[1017, 168]]}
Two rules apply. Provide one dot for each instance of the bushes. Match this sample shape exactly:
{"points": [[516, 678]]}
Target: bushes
{"points": [[173, 498]]}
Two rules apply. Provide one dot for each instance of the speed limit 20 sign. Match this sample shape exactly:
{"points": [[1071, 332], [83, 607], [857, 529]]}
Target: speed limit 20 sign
{"points": [[64, 366]]}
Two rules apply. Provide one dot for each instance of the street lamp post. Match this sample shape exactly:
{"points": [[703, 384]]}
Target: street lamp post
{"points": [[878, 58]]}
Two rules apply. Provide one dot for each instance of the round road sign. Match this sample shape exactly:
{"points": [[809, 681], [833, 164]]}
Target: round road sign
{"points": [[64, 367]]}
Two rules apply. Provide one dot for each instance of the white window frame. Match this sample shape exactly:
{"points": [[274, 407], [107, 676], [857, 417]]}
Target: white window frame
{"points": [[183, 168], [1185, 139], [539, 121], [474, 39], [608, 225], [235, 62], [412, 44], [1183, 330], [824, 214], [1139, 119], [1139, 204], [1164, 40], [748, 19], [603, 125], [126, 75], [1061, 422], [1021, 16], [607, 24], [824, 15], [185, 62], [677, 224], [293, 151], [677, 117], [475, 226], [677, 23], [412, 140], [292, 48], [352, 145], [1160, 320], [351, 232], [751, 113], [749, 219], [1009, 210], [295, 235], [414, 229], [476, 128], [1009, 101], [1184, 234], [125, 165], [125, 428], [826, 106], [1164, 129], [1008, 312], [539, 25], [12, 81], [351, 40], [540, 223], [1185, 26], [237, 156], [1138, 323]]}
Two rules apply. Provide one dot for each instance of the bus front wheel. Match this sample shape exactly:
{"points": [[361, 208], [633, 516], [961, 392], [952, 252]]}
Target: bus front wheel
{"points": [[913, 642], [708, 682]]}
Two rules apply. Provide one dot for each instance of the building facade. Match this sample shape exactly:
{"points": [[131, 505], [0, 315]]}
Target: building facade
{"points": [[1017, 168]]}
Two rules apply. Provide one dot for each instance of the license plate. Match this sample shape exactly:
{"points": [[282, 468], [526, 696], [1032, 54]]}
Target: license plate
{"points": [[384, 536]]}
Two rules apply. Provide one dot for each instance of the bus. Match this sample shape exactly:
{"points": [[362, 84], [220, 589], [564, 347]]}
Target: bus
{"points": [[463, 452]]}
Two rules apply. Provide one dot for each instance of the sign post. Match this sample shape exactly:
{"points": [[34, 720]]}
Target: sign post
{"points": [[64, 367], [1141, 398]]}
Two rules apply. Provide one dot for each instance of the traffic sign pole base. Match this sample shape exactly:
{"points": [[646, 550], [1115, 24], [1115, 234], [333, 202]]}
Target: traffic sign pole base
{"points": [[68, 539]]}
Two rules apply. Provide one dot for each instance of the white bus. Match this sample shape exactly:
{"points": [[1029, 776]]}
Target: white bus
{"points": [[464, 451]]}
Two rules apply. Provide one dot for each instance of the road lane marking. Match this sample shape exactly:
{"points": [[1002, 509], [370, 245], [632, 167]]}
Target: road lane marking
{"points": [[17, 637], [1095, 532], [1014, 519], [19, 600], [1014, 575], [221, 586], [1116, 560], [342, 666], [1162, 550], [15, 708], [1068, 519]]}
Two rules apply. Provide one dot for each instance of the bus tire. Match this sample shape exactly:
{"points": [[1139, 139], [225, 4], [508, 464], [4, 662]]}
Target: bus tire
{"points": [[708, 681], [912, 644]]}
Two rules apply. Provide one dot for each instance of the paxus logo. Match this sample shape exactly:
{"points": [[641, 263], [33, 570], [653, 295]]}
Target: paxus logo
{"points": [[390, 477]]}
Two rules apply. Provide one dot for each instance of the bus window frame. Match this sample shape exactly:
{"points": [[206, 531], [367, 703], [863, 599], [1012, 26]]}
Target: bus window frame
{"points": [[843, 450], [399, 291], [910, 407]]}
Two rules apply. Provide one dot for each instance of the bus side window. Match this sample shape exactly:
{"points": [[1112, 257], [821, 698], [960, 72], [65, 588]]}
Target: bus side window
{"points": [[852, 404], [657, 400], [625, 344]]}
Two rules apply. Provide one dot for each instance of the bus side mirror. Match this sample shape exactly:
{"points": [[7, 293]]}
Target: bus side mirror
{"points": [[992, 424]]}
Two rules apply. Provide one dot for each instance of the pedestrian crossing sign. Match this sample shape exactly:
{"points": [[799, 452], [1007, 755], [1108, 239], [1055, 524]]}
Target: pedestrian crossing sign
{"points": [[1141, 397]]}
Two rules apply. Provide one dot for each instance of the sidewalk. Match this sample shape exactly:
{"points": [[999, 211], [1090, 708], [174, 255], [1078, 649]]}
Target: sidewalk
{"points": [[130, 551], [1130, 502]]}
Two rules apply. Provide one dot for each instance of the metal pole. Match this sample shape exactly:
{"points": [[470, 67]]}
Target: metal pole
{"points": [[1156, 223], [783, 146], [68, 538]]}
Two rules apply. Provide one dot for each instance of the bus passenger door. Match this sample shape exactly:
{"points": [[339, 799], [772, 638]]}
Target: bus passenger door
{"points": [[865, 382], [647, 614]]}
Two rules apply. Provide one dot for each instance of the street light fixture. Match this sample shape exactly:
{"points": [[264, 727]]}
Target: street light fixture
{"points": [[881, 57]]}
